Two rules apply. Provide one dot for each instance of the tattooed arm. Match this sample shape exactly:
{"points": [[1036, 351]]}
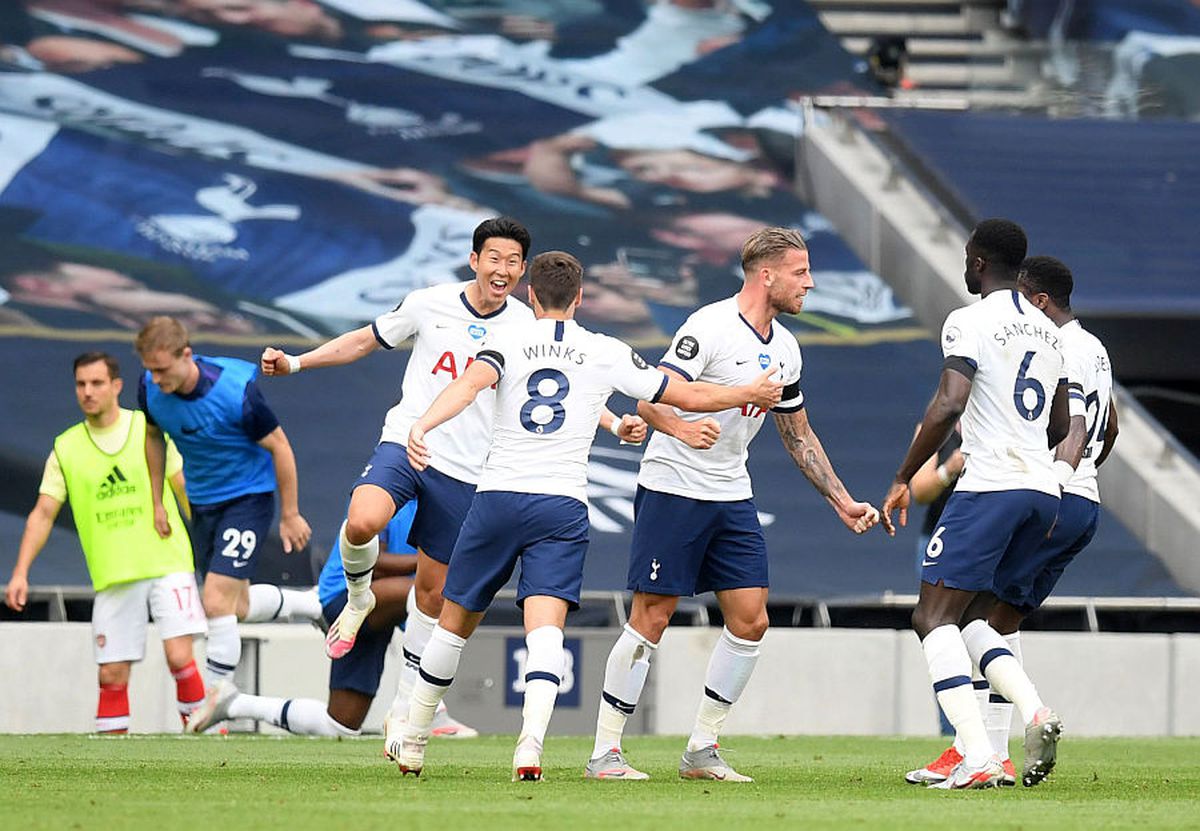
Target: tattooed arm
{"points": [[806, 451]]}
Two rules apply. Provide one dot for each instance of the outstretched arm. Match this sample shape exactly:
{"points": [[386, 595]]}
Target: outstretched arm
{"points": [[806, 451], [628, 428], [293, 528], [451, 401], [700, 435], [702, 397], [344, 349], [37, 531], [941, 415]]}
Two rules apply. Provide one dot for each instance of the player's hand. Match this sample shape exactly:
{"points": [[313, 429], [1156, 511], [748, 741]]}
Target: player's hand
{"points": [[765, 391], [294, 532], [418, 451], [632, 429], [700, 435], [162, 525], [17, 593], [274, 362], [897, 497], [859, 517]]}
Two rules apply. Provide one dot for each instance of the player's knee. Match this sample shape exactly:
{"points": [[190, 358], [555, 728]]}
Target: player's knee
{"points": [[114, 673], [650, 621], [749, 630], [178, 652], [360, 529], [925, 620], [429, 599]]}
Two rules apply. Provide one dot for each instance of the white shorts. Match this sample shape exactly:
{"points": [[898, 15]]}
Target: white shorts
{"points": [[119, 615]]}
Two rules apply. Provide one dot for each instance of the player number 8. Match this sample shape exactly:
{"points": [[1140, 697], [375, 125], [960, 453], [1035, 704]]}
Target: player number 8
{"points": [[540, 401]]}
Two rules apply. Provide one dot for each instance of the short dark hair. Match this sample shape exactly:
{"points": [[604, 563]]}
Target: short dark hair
{"points": [[502, 227], [89, 358], [1001, 242], [1048, 275], [555, 277]]}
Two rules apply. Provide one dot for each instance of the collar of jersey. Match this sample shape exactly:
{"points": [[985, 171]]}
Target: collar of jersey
{"points": [[750, 326], [463, 297]]}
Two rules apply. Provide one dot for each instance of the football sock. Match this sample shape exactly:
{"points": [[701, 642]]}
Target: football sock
{"points": [[1000, 709], [302, 716], [268, 602], [357, 562], [950, 671], [418, 626], [624, 678], [112, 711], [438, 666], [543, 674], [224, 649], [189, 688], [991, 653], [729, 669]]}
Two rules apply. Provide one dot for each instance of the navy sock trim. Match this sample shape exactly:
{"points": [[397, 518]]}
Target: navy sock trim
{"points": [[991, 655], [981, 684], [412, 657], [283, 722], [617, 704], [951, 683], [218, 666], [358, 575], [433, 679], [708, 691], [543, 676], [998, 699], [278, 608]]}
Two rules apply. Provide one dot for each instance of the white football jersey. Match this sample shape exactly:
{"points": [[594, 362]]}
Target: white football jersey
{"points": [[446, 334], [1018, 359], [555, 377], [716, 344], [1088, 366]]}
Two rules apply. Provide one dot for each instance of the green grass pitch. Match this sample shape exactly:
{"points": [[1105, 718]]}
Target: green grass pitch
{"points": [[241, 782]]}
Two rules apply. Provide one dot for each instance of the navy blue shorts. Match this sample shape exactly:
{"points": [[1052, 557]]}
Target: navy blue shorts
{"points": [[442, 501], [1025, 582], [227, 535], [683, 546], [548, 534], [361, 668], [978, 533]]}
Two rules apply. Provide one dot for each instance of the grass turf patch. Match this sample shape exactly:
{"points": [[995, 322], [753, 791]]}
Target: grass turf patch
{"points": [[241, 781]]}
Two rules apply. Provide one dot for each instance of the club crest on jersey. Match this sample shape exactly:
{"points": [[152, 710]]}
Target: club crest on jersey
{"points": [[764, 360], [476, 331]]}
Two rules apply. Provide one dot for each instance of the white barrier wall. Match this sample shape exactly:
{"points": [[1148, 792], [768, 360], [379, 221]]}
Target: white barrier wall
{"points": [[815, 681]]}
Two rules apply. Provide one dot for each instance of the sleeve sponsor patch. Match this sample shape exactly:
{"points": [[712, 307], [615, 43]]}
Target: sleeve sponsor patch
{"points": [[687, 348], [637, 359], [951, 337]]}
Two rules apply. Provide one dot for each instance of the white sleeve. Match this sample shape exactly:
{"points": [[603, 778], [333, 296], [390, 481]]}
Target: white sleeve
{"points": [[631, 375], [1075, 366], [959, 338], [690, 350], [401, 323], [793, 398]]}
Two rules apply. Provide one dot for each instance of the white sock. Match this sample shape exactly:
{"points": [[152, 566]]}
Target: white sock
{"points": [[950, 671], [268, 602], [991, 653], [624, 678], [543, 674], [1000, 709], [729, 669], [224, 649], [438, 667], [418, 626], [357, 562], [302, 716]]}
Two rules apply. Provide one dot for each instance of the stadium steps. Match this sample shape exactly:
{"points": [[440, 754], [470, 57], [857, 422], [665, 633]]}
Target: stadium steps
{"points": [[956, 48]]}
